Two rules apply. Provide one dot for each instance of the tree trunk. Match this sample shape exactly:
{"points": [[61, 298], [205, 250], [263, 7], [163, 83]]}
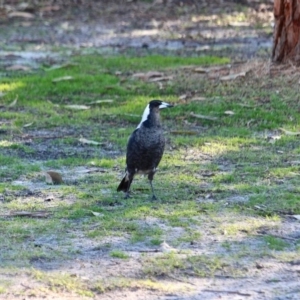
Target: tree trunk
{"points": [[286, 44]]}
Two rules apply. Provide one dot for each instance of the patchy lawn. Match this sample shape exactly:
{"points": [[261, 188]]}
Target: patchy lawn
{"points": [[227, 222]]}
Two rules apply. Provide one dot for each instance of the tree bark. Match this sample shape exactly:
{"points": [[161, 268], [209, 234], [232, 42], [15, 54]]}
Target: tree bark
{"points": [[286, 44]]}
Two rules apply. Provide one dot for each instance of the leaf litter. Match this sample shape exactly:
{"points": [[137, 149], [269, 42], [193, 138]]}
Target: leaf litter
{"points": [[53, 177]]}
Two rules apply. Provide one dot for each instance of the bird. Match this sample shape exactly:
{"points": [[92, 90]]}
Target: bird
{"points": [[145, 147]]}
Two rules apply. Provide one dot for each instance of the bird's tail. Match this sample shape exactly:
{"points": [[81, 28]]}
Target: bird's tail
{"points": [[124, 184]]}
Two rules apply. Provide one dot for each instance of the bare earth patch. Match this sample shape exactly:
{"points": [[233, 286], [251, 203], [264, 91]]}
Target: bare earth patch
{"points": [[245, 269]]}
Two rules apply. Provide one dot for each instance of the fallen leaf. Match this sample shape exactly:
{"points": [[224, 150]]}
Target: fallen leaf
{"points": [[203, 117], [260, 207], [91, 170], [259, 266], [97, 214], [147, 75], [49, 198], [233, 76], [21, 14], [64, 66], [219, 68], [101, 101], [239, 24], [198, 99], [249, 122], [49, 8], [166, 248], [287, 132], [273, 139], [53, 177], [201, 70], [28, 125], [208, 174], [160, 85], [246, 105], [88, 142], [13, 103], [140, 75], [183, 97], [18, 68], [63, 78], [77, 107], [229, 112], [157, 79]]}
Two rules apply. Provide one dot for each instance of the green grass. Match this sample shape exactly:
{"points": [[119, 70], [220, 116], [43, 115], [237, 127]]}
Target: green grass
{"points": [[196, 265], [228, 178], [62, 282], [275, 243], [119, 254]]}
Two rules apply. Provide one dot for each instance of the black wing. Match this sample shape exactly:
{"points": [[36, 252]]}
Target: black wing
{"points": [[145, 149]]}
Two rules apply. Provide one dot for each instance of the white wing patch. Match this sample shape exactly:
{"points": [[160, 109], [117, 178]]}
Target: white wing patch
{"points": [[145, 115]]}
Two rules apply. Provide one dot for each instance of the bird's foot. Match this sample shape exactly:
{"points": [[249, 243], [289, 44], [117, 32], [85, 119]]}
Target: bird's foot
{"points": [[154, 198], [127, 195]]}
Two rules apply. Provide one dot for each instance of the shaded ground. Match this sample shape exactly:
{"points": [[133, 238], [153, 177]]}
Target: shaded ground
{"points": [[194, 27], [231, 260]]}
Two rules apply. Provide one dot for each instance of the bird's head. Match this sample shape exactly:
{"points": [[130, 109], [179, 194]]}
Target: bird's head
{"points": [[158, 104], [153, 107]]}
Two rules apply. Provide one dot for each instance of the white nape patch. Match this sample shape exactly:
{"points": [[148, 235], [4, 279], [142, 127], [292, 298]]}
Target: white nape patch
{"points": [[164, 105], [145, 115]]}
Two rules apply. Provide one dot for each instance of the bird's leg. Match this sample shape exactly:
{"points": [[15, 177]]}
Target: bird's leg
{"points": [[153, 194], [127, 193], [150, 177]]}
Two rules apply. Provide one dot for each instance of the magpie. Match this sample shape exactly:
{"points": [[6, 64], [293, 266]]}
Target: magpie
{"points": [[145, 147]]}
